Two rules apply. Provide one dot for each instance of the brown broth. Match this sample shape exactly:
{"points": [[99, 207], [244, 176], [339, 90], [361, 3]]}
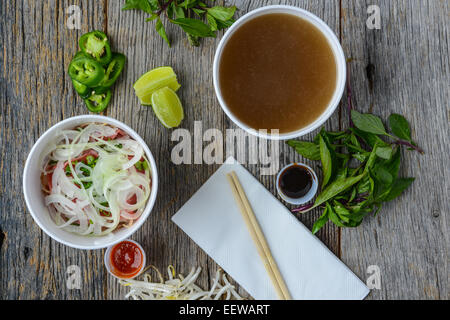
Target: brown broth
{"points": [[277, 71]]}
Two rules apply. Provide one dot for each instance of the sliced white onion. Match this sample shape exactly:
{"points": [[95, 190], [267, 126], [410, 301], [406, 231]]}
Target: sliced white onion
{"points": [[114, 180]]}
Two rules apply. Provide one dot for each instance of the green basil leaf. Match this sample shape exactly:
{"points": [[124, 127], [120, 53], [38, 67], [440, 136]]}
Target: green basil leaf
{"points": [[328, 159], [224, 24], [161, 30], [362, 157], [382, 175], [341, 211], [152, 17], [333, 217], [188, 4], [222, 13], [368, 123], [193, 40], [194, 27], [372, 158], [199, 12], [369, 138], [364, 185], [308, 150], [320, 222], [212, 22], [400, 127], [179, 12], [398, 187], [144, 5], [393, 165], [336, 188], [385, 152], [342, 173]]}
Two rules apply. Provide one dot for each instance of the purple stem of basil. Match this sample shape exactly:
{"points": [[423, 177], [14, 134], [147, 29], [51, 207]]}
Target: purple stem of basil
{"points": [[359, 200], [163, 7], [304, 208], [409, 145]]}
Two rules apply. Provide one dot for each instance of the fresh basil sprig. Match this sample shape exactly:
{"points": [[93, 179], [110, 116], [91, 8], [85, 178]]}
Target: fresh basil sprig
{"points": [[182, 13], [360, 169]]}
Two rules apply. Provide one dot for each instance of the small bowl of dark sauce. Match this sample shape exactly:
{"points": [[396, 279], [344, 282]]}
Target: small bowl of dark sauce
{"points": [[297, 183]]}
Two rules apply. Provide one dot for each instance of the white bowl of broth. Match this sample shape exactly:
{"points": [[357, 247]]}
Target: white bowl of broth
{"points": [[279, 68], [35, 194]]}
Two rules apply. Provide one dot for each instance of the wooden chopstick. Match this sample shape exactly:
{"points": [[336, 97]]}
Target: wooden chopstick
{"points": [[258, 237]]}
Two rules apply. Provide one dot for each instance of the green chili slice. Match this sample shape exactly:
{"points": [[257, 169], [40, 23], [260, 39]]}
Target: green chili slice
{"points": [[114, 69], [98, 102], [86, 71], [81, 89], [96, 45]]}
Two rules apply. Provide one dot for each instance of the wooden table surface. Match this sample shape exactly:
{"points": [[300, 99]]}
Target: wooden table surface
{"points": [[403, 68]]}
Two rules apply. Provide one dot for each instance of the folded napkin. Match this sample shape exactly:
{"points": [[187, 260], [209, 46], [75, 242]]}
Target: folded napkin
{"points": [[213, 220]]}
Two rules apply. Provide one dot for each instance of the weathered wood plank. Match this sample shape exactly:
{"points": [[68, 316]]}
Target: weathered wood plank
{"points": [[404, 68], [164, 242], [35, 94]]}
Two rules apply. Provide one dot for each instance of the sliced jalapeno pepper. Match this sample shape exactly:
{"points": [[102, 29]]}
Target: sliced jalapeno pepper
{"points": [[113, 70], [79, 54], [86, 71], [81, 89], [96, 44], [99, 90], [98, 102]]}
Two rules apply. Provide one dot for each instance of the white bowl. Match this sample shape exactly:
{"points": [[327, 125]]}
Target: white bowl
{"points": [[334, 44], [34, 196]]}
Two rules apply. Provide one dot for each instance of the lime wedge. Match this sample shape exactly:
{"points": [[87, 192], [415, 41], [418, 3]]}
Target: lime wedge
{"points": [[153, 80], [167, 107]]}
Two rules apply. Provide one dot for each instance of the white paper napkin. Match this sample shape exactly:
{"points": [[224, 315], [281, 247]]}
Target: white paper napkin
{"points": [[213, 220]]}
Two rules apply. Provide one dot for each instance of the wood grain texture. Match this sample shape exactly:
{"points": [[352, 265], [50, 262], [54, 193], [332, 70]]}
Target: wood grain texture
{"points": [[403, 68], [35, 94], [164, 241]]}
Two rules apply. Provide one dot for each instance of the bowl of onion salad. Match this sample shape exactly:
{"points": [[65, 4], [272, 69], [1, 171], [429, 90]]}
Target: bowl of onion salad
{"points": [[90, 181]]}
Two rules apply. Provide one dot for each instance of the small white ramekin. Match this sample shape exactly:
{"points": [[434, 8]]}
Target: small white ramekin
{"points": [[338, 54], [107, 260], [34, 196], [307, 197]]}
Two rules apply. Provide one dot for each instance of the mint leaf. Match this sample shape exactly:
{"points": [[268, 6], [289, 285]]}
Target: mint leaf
{"points": [[368, 123], [400, 127]]}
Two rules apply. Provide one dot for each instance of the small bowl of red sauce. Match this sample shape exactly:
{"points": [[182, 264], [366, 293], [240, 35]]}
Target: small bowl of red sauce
{"points": [[125, 260]]}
